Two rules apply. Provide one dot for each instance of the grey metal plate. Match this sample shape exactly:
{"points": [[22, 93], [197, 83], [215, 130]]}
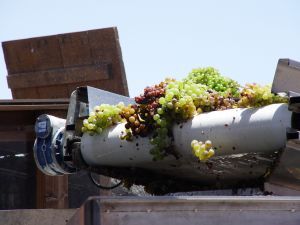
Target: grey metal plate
{"points": [[189, 210], [287, 76]]}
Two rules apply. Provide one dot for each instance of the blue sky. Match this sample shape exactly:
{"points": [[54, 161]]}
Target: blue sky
{"points": [[243, 39]]}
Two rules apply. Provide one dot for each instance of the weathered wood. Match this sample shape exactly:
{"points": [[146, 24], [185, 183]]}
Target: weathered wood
{"points": [[58, 76], [36, 216], [13, 136], [33, 54], [52, 67], [34, 102], [65, 61], [17, 166], [75, 49], [52, 192], [32, 107]]}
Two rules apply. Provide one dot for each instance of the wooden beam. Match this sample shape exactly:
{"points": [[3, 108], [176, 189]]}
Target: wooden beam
{"points": [[61, 76], [52, 192]]}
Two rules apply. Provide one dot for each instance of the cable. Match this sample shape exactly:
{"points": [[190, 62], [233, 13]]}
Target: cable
{"points": [[101, 186]]}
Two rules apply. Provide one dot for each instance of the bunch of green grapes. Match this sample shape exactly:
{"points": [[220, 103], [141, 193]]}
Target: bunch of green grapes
{"points": [[214, 80], [101, 117], [255, 95], [182, 99], [202, 151], [171, 101]]}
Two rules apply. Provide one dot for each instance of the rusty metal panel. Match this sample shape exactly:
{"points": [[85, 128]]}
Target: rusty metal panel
{"points": [[189, 210]]}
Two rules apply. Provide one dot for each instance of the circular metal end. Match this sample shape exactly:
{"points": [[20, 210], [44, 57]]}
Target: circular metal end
{"points": [[48, 147], [43, 126]]}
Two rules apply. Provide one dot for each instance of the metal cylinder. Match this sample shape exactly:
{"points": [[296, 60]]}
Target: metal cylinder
{"points": [[231, 131], [236, 131]]}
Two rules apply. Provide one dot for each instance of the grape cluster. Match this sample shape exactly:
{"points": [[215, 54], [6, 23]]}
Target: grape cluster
{"points": [[171, 101], [211, 77], [202, 151], [135, 124], [102, 117], [151, 94], [255, 95], [150, 112]]}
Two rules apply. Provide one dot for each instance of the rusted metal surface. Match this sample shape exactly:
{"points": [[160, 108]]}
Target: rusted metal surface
{"points": [[36, 216], [53, 66], [189, 210]]}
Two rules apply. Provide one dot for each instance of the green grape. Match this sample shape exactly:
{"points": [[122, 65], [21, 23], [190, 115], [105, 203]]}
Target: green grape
{"points": [[156, 117], [202, 151], [160, 111], [214, 80], [102, 117], [255, 95]]}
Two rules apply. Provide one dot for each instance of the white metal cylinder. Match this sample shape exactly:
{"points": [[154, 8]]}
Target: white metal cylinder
{"points": [[236, 131], [233, 131]]}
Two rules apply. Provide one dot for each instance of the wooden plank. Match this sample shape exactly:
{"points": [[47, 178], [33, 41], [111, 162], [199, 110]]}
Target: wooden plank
{"points": [[111, 86], [105, 47], [52, 192], [11, 118], [14, 136], [36, 216], [32, 54], [34, 101], [94, 47], [32, 107], [58, 76], [75, 49], [57, 91], [24, 93], [18, 56]]}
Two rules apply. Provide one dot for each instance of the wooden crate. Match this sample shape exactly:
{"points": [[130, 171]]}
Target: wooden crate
{"points": [[53, 66]]}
